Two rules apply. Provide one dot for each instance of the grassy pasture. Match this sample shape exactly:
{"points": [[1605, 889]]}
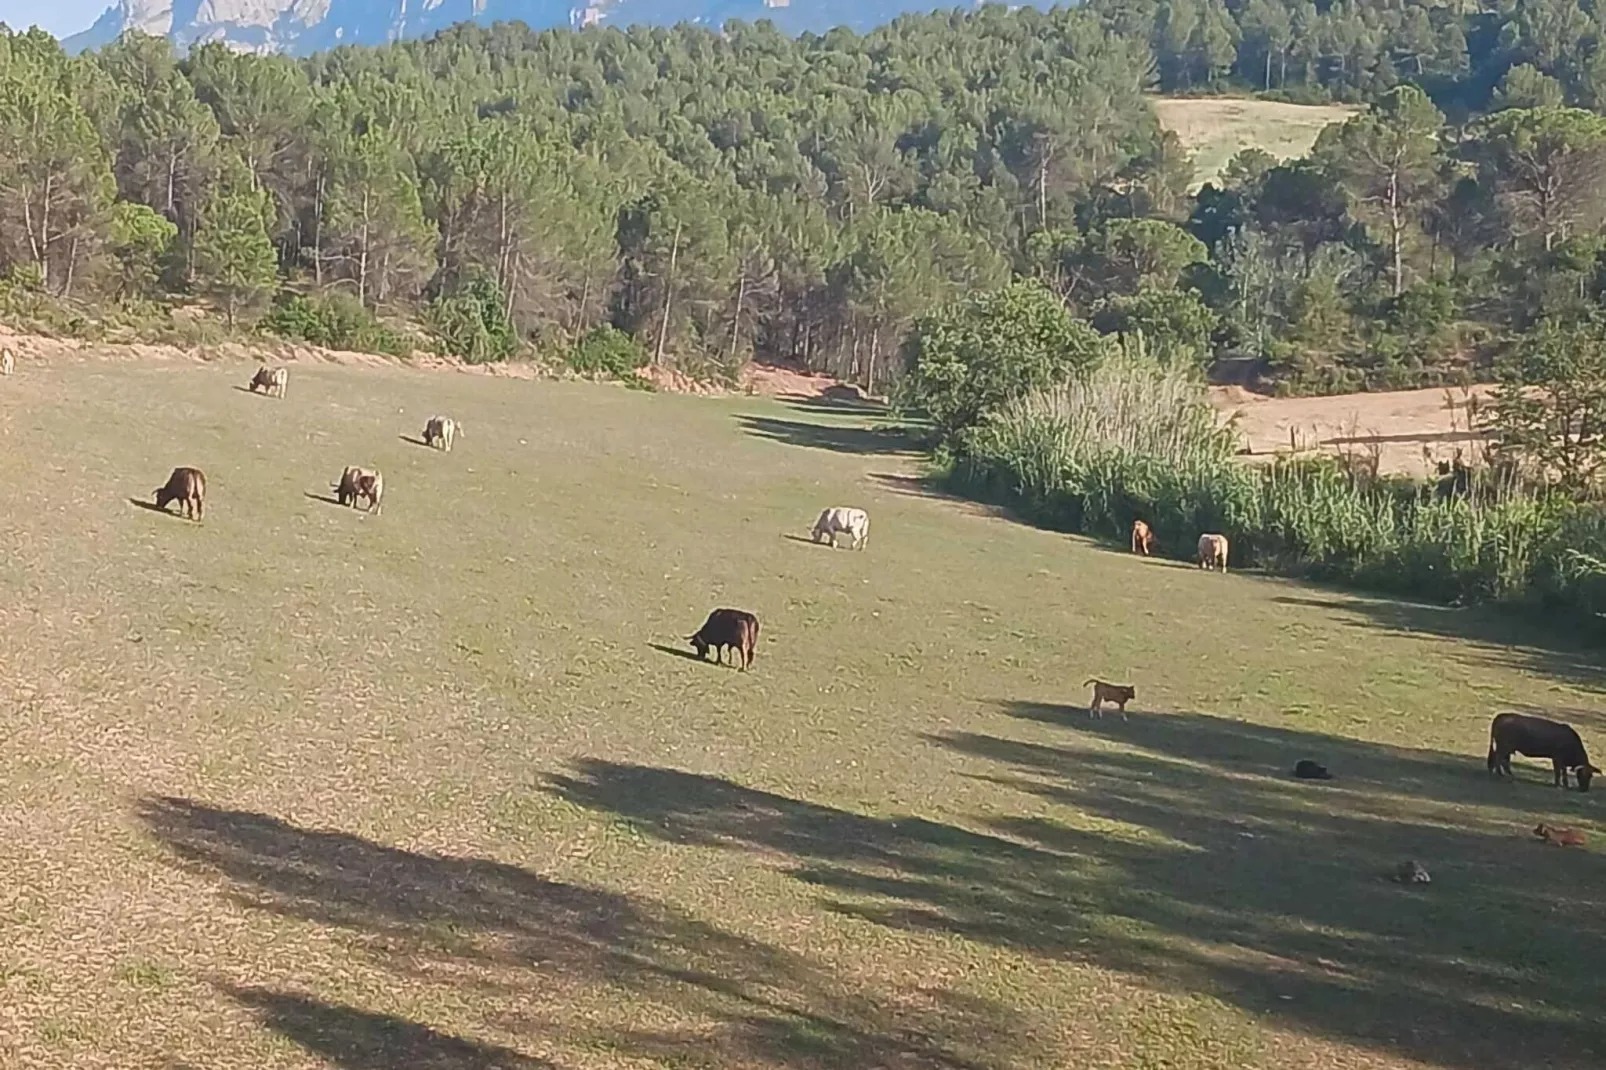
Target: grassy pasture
{"points": [[298, 787], [1215, 129]]}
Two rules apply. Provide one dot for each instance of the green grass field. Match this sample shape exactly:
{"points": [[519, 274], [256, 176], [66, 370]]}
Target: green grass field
{"points": [[299, 787], [1215, 129]]}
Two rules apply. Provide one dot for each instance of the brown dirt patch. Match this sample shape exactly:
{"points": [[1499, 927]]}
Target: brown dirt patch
{"points": [[1407, 429]]}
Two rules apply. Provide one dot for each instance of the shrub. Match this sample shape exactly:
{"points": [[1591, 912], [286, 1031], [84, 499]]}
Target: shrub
{"points": [[973, 356], [333, 321], [473, 323], [608, 351], [1133, 439]]}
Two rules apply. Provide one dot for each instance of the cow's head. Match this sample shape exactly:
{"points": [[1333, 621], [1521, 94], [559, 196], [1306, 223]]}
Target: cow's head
{"points": [[699, 644], [1584, 773]]}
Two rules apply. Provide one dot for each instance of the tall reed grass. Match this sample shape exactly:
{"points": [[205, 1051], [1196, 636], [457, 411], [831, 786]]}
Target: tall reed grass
{"points": [[1133, 439]]}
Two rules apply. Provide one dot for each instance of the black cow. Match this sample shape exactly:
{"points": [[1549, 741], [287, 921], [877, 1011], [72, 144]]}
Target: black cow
{"points": [[734, 628], [187, 486], [1518, 733]]}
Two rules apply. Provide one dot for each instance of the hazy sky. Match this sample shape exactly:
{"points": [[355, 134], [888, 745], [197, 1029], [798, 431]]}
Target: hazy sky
{"points": [[60, 17]]}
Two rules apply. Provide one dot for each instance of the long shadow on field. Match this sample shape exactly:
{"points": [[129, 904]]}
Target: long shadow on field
{"points": [[152, 507], [1469, 635], [565, 963], [845, 402], [1208, 875], [677, 652], [363, 1040], [834, 437]]}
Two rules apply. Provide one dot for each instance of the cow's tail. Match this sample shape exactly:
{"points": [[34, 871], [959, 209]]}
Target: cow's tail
{"points": [[1086, 683]]}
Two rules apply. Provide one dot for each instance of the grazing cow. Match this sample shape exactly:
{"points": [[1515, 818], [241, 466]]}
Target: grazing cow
{"points": [[1308, 769], [854, 523], [1518, 733], [439, 432], [358, 482], [1213, 552], [187, 486], [734, 628], [1142, 538], [8, 362], [272, 381]]}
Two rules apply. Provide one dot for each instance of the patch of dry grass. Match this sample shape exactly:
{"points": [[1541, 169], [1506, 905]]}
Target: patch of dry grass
{"points": [[1215, 129], [299, 787]]}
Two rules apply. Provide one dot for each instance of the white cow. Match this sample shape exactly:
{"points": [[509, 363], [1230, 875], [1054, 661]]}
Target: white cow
{"points": [[840, 520], [8, 362], [1213, 552], [439, 432]]}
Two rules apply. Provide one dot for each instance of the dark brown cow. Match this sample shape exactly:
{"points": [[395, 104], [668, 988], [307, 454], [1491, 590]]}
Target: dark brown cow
{"points": [[734, 628], [357, 483], [1519, 733], [187, 486]]}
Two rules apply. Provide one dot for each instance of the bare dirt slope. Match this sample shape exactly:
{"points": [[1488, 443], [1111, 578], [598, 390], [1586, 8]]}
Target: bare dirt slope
{"points": [[1398, 425]]}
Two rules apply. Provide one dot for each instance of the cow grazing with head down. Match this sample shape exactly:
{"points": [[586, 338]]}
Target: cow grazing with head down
{"points": [[357, 483], [734, 628], [187, 486], [1519, 733], [439, 432], [841, 520], [271, 381]]}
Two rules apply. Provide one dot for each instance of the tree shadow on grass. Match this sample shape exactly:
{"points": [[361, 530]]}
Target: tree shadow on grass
{"points": [[835, 400], [363, 1040], [838, 438], [560, 962], [1211, 874], [1475, 634]]}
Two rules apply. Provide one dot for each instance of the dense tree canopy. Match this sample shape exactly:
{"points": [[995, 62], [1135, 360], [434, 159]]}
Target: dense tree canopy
{"points": [[720, 195]]}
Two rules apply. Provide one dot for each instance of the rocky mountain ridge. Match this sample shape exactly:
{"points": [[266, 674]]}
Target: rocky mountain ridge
{"points": [[301, 27]]}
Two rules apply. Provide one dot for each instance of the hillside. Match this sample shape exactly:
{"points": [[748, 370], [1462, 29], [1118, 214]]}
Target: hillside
{"points": [[699, 199], [300, 788], [302, 27]]}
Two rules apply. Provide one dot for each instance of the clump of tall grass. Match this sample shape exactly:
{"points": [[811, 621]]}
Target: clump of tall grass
{"points": [[1132, 438]]}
